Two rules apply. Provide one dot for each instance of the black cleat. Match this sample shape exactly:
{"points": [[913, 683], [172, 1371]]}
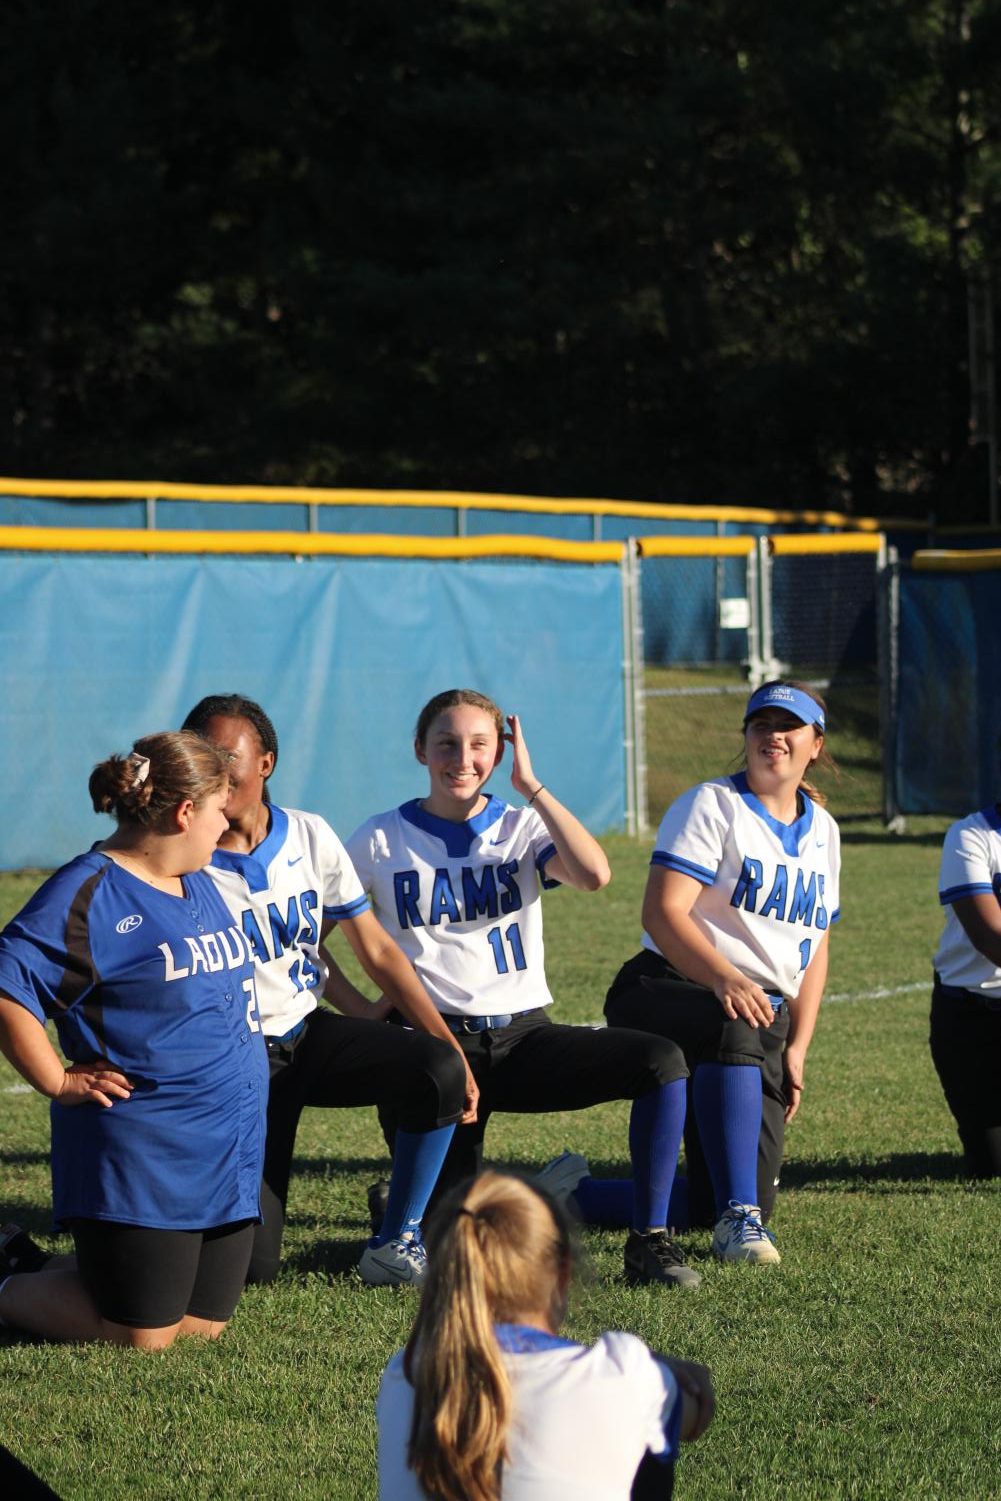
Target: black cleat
{"points": [[18, 1252], [378, 1198], [654, 1257]]}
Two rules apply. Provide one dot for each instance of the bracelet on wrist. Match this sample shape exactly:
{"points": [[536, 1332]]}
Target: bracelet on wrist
{"points": [[541, 788]]}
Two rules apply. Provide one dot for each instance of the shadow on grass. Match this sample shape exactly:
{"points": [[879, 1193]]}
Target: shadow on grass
{"points": [[326, 1258], [931, 840], [24, 1159], [848, 1174]]}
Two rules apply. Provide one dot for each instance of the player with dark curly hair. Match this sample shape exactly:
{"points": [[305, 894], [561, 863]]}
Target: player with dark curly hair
{"points": [[288, 882]]}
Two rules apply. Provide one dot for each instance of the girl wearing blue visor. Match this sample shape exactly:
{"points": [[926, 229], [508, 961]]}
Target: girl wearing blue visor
{"points": [[742, 891]]}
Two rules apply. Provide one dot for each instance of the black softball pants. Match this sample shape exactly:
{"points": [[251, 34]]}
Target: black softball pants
{"points": [[337, 1061], [966, 1050], [647, 993], [534, 1066]]}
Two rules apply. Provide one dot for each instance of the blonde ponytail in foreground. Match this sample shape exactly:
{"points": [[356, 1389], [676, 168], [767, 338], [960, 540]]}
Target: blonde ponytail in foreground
{"points": [[499, 1251]]}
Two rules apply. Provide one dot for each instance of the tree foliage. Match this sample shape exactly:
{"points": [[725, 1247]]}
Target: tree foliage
{"points": [[696, 251]]}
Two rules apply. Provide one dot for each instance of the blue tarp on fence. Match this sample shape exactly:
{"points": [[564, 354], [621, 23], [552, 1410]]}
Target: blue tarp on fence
{"points": [[341, 652], [948, 705]]}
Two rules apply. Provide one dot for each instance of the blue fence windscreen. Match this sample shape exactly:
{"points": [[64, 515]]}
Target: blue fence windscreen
{"points": [[949, 708], [342, 653]]}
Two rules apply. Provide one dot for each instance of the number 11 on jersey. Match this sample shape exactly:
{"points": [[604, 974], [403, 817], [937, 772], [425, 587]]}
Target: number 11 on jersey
{"points": [[496, 939]]}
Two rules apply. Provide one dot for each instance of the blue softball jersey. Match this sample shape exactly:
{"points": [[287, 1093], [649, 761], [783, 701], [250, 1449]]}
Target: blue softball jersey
{"points": [[162, 987]]}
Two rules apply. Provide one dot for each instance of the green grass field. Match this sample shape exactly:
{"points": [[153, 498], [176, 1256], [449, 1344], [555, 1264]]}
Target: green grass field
{"points": [[867, 1366]]}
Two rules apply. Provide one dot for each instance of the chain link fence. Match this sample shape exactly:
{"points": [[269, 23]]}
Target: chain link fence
{"points": [[721, 615]]}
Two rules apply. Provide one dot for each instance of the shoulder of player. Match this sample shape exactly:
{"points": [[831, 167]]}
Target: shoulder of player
{"points": [[383, 836], [977, 836], [61, 888], [306, 825], [623, 1362], [717, 800], [624, 1351], [984, 824], [306, 834], [824, 820]]}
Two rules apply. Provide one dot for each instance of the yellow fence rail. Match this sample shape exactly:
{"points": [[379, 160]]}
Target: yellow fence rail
{"points": [[785, 545], [934, 561], [156, 490], [303, 544], [696, 547]]}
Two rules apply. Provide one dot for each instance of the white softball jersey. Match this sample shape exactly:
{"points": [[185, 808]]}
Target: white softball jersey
{"points": [[583, 1418], [463, 901], [770, 890], [280, 894], [971, 864]]}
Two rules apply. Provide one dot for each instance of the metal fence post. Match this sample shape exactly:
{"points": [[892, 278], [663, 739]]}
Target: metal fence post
{"points": [[759, 630], [888, 643], [633, 688]]}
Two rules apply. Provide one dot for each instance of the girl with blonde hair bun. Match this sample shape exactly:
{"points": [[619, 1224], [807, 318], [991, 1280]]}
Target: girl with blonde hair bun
{"points": [[489, 1403]]}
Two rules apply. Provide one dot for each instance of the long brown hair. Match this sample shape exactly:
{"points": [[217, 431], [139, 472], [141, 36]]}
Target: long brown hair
{"points": [[500, 1250]]}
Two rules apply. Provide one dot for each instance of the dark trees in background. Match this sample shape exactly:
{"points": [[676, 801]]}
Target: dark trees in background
{"points": [[708, 251]]}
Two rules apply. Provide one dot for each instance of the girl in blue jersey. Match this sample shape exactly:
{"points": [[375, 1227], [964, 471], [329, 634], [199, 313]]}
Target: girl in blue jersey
{"points": [[488, 1400], [742, 891], [457, 877], [158, 1119]]}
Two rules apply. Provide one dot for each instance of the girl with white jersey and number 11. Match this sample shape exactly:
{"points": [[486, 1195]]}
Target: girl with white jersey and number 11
{"points": [[457, 877], [742, 892]]}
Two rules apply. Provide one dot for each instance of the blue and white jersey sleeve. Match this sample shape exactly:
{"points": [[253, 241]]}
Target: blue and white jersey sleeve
{"points": [[463, 901], [769, 891], [692, 834], [971, 866], [343, 894]]}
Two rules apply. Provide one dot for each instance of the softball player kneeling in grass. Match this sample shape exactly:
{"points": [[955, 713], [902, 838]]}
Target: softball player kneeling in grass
{"points": [[488, 1401], [742, 891], [158, 1122], [288, 881], [966, 1000], [457, 878]]}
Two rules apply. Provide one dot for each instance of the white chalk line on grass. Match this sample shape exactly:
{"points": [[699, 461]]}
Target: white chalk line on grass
{"points": [[846, 997], [882, 994]]}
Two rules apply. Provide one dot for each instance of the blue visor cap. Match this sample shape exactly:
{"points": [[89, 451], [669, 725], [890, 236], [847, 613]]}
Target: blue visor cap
{"points": [[793, 700]]}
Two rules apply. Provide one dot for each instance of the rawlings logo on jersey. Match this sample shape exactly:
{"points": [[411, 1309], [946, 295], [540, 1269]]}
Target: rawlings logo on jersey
{"points": [[129, 924], [805, 905], [489, 892]]}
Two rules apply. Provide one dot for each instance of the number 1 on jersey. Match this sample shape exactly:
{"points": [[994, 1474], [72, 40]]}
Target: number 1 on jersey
{"points": [[496, 939]]}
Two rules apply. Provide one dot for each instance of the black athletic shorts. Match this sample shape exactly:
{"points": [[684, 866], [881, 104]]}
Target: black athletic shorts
{"points": [[149, 1279], [647, 993], [966, 1050]]}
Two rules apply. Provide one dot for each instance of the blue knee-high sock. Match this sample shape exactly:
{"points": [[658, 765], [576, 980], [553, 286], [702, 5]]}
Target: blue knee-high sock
{"points": [[609, 1202], [727, 1100], [656, 1124], [417, 1160]]}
